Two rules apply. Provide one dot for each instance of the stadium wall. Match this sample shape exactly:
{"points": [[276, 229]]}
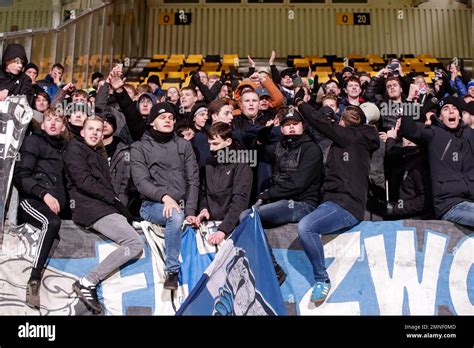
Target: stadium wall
{"points": [[309, 30]]}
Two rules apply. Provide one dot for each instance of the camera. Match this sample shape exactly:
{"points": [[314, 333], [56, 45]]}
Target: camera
{"points": [[392, 66]]}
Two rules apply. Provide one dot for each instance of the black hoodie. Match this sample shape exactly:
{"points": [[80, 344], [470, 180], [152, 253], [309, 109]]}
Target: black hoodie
{"points": [[15, 84], [347, 168]]}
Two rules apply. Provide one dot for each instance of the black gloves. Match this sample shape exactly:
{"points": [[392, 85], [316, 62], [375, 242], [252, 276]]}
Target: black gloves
{"points": [[122, 210], [263, 134], [299, 96]]}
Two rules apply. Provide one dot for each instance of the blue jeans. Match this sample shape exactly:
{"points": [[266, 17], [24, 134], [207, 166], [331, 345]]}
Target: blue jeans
{"points": [[280, 213], [283, 212], [153, 212], [329, 217], [462, 213]]}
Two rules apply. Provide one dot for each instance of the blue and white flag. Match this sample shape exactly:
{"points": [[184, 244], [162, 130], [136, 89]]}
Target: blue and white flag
{"points": [[241, 280]]}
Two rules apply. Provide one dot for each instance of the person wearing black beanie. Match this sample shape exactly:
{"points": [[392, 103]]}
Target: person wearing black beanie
{"points": [[165, 173]]}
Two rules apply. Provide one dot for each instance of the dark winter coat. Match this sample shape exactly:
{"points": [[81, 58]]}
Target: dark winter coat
{"points": [[40, 168], [348, 164], [297, 170], [89, 183], [170, 168], [225, 192], [451, 159]]}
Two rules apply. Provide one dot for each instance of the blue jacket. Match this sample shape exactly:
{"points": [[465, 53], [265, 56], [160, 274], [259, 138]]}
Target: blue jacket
{"points": [[49, 86], [458, 86]]}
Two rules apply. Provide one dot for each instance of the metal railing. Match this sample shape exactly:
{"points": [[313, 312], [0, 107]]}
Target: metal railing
{"points": [[94, 41]]}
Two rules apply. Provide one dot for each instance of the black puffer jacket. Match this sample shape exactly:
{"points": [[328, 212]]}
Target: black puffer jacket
{"points": [[451, 159], [297, 170], [89, 183], [348, 164], [120, 172], [40, 169]]}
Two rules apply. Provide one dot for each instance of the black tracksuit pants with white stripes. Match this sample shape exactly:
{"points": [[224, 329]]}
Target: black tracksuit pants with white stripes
{"points": [[38, 214]]}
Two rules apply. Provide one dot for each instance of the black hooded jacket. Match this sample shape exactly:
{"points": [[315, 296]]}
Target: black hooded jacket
{"points": [[15, 84], [451, 159], [347, 168]]}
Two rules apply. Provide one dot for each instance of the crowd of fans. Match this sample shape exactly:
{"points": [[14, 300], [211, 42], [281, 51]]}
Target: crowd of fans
{"points": [[325, 156]]}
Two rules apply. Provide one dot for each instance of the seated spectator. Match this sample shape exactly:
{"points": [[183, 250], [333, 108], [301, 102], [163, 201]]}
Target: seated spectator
{"points": [[166, 175], [451, 159], [12, 79], [297, 174], [96, 206], [226, 187], [39, 177], [345, 185]]}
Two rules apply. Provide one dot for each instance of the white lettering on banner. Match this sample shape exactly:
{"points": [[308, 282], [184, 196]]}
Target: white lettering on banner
{"points": [[390, 290], [115, 286], [462, 262], [345, 249], [37, 331]]}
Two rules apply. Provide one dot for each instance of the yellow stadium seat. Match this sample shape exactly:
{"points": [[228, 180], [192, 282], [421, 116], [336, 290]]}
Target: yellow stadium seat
{"points": [[362, 67], [422, 56], [324, 69], [210, 67], [320, 74], [338, 66], [172, 66], [188, 69], [180, 57], [186, 82], [209, 73], [373, 73], [430, 60], [300, 63], [323, 79], [154, 65], [176, 75], [167, 85], [160, 57], [355, 56], [317, 60], [194, 59]]}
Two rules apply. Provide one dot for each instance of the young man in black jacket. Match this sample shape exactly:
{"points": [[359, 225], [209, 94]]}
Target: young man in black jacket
{"points": [[450, 147], [345, 186], [12, 79], [297, 174], [39, 178], [95, 205], [226, 186]]}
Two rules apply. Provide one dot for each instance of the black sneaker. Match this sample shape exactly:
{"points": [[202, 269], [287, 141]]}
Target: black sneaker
{"points": [[171, 281], [32, 293], [280, 273], [88, 295]]}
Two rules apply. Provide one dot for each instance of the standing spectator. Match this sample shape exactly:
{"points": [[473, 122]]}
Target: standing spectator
{"points": [[12, 80], [449, 145]]}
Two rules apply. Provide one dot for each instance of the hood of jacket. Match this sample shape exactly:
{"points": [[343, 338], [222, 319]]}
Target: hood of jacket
{"points": [[14, 51]]}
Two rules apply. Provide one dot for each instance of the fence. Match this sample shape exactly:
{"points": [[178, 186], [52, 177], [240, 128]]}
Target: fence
{"points": [[93, 41]]}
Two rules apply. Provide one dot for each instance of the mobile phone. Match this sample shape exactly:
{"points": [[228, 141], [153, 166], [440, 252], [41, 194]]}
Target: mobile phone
{"points": [[297, 82], [392, 66], [119, 65]]}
